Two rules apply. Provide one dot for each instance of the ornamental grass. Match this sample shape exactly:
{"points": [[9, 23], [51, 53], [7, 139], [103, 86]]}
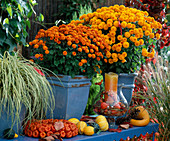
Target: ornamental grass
{"points": [[69, 49], [157, 80], [23, 86], [128, 31]]}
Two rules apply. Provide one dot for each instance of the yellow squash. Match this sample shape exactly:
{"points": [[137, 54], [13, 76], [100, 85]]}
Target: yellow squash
{"points": [[81, 125], [74, 120], [143, 117], [89, 130], [102, 122]]}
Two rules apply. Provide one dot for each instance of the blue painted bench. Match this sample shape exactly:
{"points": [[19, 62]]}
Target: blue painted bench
{"points": [[105, 136]]}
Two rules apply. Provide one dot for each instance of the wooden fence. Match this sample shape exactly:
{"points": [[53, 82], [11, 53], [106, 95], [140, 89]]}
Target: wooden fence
{"points": [[49, 8]]}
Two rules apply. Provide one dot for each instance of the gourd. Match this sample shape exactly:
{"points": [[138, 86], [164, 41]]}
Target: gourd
{"points": [[102, 122], [81, 125], [9, 134], [74, 120], [89, 130], [143, 117]]}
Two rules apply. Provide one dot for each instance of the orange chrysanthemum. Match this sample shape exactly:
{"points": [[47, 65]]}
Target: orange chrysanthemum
{"points": [[64, 53], [80, 64], [74, 53], [37, 55], [47, 52]]}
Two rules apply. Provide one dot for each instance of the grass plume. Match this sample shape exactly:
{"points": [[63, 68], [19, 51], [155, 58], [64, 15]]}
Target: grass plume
{"points": [[21, 85], [157, 97]]}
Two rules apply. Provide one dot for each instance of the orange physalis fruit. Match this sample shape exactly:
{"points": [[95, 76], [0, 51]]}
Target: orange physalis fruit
{"points": [[42, 134], [35, 134]]}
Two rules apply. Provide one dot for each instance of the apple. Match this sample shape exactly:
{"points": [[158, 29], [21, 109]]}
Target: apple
{"points": [[114, 112], [117, 106], [104, 105]]}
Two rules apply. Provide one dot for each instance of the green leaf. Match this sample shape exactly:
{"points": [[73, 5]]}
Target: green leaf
{"points": [[20, 8], [16, 35], [25, 33], [41, 17], [24, 5], [150, 41], [29, 14], [6, 21], [9, 9], [2, 36], [23, 40], [27, 45], [10, 42], [28, 23]]}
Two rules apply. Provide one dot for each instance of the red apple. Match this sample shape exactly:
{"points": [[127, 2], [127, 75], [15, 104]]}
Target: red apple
{"points": [[104, 105], [114, 112], [117, 106]]}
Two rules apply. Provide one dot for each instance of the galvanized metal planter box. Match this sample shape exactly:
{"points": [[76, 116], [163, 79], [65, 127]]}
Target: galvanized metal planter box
{"points": [[71, 96]]}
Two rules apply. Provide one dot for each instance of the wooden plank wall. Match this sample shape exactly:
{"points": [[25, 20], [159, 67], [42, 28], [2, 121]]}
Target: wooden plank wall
{"points": [[110, 3], [49, 8]]}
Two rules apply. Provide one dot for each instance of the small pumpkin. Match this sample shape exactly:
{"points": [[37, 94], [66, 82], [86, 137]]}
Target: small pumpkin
{"points": [[143, 117], [102, 122], [74, 120], [99, 118], [89, 130], [81, 125], [95, 125]]}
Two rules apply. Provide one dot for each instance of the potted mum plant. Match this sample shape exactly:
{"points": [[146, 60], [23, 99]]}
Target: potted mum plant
{"points": [[74, 53], [129, 32], [24, 92]]}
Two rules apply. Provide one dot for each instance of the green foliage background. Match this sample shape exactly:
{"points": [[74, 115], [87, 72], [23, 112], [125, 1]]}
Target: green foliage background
{"points": [[69, 7], [14, 20], [94, 94]]}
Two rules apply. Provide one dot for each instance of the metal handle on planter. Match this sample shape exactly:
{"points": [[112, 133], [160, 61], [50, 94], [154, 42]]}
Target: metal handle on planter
{"points": [[122, 95]]}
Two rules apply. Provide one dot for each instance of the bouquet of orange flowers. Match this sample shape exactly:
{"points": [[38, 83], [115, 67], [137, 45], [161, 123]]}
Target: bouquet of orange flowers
{"points": [[128, 31], [69, 49]]}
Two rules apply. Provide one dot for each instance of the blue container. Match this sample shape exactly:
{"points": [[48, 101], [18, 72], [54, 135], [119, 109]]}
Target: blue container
{"points": [[71, 96], [127, 80], [6, 122]]}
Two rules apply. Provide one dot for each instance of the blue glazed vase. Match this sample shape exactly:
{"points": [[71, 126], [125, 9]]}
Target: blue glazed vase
{"points": [[126, 81], [71, 96], [6, 121]]}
